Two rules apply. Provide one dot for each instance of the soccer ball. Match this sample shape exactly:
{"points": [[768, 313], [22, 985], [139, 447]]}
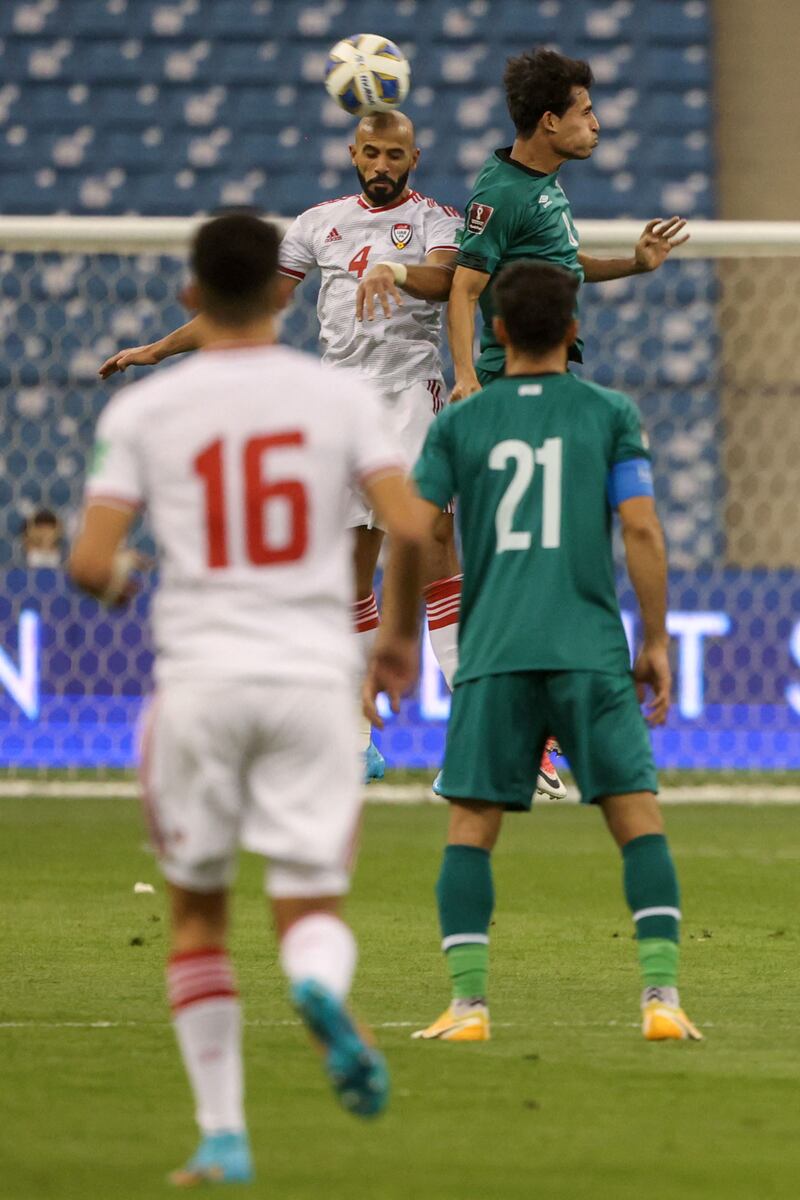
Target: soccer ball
{"points": [[367, 73]]}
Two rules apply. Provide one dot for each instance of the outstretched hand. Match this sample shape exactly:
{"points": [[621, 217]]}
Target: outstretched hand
{"points": [[393, 669], [652, 670], [658, 238], [378, 284], [136, 356]]}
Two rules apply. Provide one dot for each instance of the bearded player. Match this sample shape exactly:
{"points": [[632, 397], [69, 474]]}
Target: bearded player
{"points": [[386, 257]]}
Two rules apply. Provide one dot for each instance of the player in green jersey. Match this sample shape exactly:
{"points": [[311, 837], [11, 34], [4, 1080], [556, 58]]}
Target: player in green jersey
{"points": [[538, 460], [518, 208]]}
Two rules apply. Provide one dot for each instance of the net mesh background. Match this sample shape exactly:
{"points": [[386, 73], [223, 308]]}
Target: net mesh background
{"points": [[704, 347]]}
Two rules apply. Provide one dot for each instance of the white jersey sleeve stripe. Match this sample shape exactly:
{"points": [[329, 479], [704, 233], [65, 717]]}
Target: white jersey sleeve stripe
{"points": [[109, 500], [382, 471]]}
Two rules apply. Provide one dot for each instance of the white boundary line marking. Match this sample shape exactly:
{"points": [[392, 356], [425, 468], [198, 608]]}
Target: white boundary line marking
{"points": [[416, 793], [289, 1024]]}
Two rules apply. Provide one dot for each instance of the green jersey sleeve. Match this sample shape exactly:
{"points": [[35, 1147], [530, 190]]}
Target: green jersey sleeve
{"points": [[489, 230], [434, 472], [630, 440]]}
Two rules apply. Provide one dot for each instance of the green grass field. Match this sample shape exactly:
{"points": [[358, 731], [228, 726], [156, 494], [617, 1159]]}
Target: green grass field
{"points": [[566, 1103]]}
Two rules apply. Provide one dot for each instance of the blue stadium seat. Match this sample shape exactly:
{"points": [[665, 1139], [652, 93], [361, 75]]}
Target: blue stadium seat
{"points": [[529, 23], [675, 112], [678, 66], [673, 154], [402, 23], [271, 107], [608, 23], [668, 21], [473, 64], [88, 18], [55, 104]]}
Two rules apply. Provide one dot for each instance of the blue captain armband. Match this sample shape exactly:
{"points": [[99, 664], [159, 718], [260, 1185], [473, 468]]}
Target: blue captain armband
{"points": [[629, 479]]}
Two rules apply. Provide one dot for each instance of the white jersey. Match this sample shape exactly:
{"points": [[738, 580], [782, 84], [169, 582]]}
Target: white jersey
{"points": [[344, 238], [244, 458]]}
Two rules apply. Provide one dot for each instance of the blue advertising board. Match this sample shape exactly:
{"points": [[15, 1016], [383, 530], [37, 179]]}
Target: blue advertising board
{"points": [[73, 676]]}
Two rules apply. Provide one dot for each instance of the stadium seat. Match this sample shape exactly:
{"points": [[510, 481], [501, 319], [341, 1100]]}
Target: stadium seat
{"points": [[667, 21], [680, 67]]}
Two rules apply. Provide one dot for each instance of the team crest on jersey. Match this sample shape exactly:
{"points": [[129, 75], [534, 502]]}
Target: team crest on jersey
{"points": [[401, 234], [478, 217]]}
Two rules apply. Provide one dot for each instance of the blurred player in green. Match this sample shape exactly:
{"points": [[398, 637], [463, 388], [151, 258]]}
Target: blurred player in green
{"points": [[538, 461], [518, 208]]}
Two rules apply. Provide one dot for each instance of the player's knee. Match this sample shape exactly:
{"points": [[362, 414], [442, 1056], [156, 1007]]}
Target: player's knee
{"points": [[633, 815], [474, 825]]}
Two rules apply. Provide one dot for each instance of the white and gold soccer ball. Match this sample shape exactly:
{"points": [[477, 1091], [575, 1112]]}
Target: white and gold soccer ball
{"points": [[367, 73]]}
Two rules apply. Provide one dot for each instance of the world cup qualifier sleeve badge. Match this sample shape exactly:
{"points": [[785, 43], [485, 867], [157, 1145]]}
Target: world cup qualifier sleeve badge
{"points": [[478, 217], [401, 235]]}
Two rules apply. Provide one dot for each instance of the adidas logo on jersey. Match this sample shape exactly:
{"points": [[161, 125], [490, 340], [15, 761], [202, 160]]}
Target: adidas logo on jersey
{"points": [[333, 236]]}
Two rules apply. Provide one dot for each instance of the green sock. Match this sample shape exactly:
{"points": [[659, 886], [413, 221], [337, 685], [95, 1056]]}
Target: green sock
{"points": [[469, 970], [651, 889], [658, 959], [465, 895]]}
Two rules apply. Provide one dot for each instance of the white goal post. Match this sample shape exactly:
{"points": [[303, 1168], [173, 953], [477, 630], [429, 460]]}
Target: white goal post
{"points": [[132, 234]]}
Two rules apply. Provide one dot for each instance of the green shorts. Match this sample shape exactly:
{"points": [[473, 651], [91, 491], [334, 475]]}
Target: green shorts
{"points": [[499, 725]]}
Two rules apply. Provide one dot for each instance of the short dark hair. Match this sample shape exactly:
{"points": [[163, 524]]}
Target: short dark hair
{"points": [[42, 516], [536, 300], [235, 262], [541, 81]]}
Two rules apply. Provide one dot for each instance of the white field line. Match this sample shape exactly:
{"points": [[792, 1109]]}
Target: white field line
{"points": [[415, 793], [296, 1024]]}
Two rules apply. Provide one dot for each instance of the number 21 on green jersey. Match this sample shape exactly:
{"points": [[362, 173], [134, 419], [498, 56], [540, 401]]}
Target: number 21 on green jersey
{"points": [[549, 457]]}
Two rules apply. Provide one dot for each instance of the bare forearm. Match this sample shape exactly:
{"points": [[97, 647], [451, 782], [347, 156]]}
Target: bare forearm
{"points": [[646, 558], [181, 340], [88, 571], [426, 281], [601, 270], [461, 332], [402, 588]]}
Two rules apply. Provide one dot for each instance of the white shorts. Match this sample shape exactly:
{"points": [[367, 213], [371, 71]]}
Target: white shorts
{"points": [[413, 409], [272, 767]]}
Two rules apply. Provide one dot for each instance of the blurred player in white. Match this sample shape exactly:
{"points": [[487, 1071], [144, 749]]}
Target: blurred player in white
{"points": [[386, 257], [244, 457]]}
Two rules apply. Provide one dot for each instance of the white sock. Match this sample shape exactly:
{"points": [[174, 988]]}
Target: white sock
{"points": [[366, 620], [320, 947], [442, 600], [208, 1025], [667, 995]]}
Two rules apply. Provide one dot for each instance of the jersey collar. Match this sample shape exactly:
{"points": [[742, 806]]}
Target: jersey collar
{"points": [[504, 155], [385, 207]]}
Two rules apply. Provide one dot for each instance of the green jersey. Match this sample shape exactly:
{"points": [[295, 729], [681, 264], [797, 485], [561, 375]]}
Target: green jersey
{"points": [[530, 459], [515, 212]]}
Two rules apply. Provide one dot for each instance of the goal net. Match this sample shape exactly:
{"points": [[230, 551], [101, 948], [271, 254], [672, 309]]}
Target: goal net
{"points": [[706, 346]]}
